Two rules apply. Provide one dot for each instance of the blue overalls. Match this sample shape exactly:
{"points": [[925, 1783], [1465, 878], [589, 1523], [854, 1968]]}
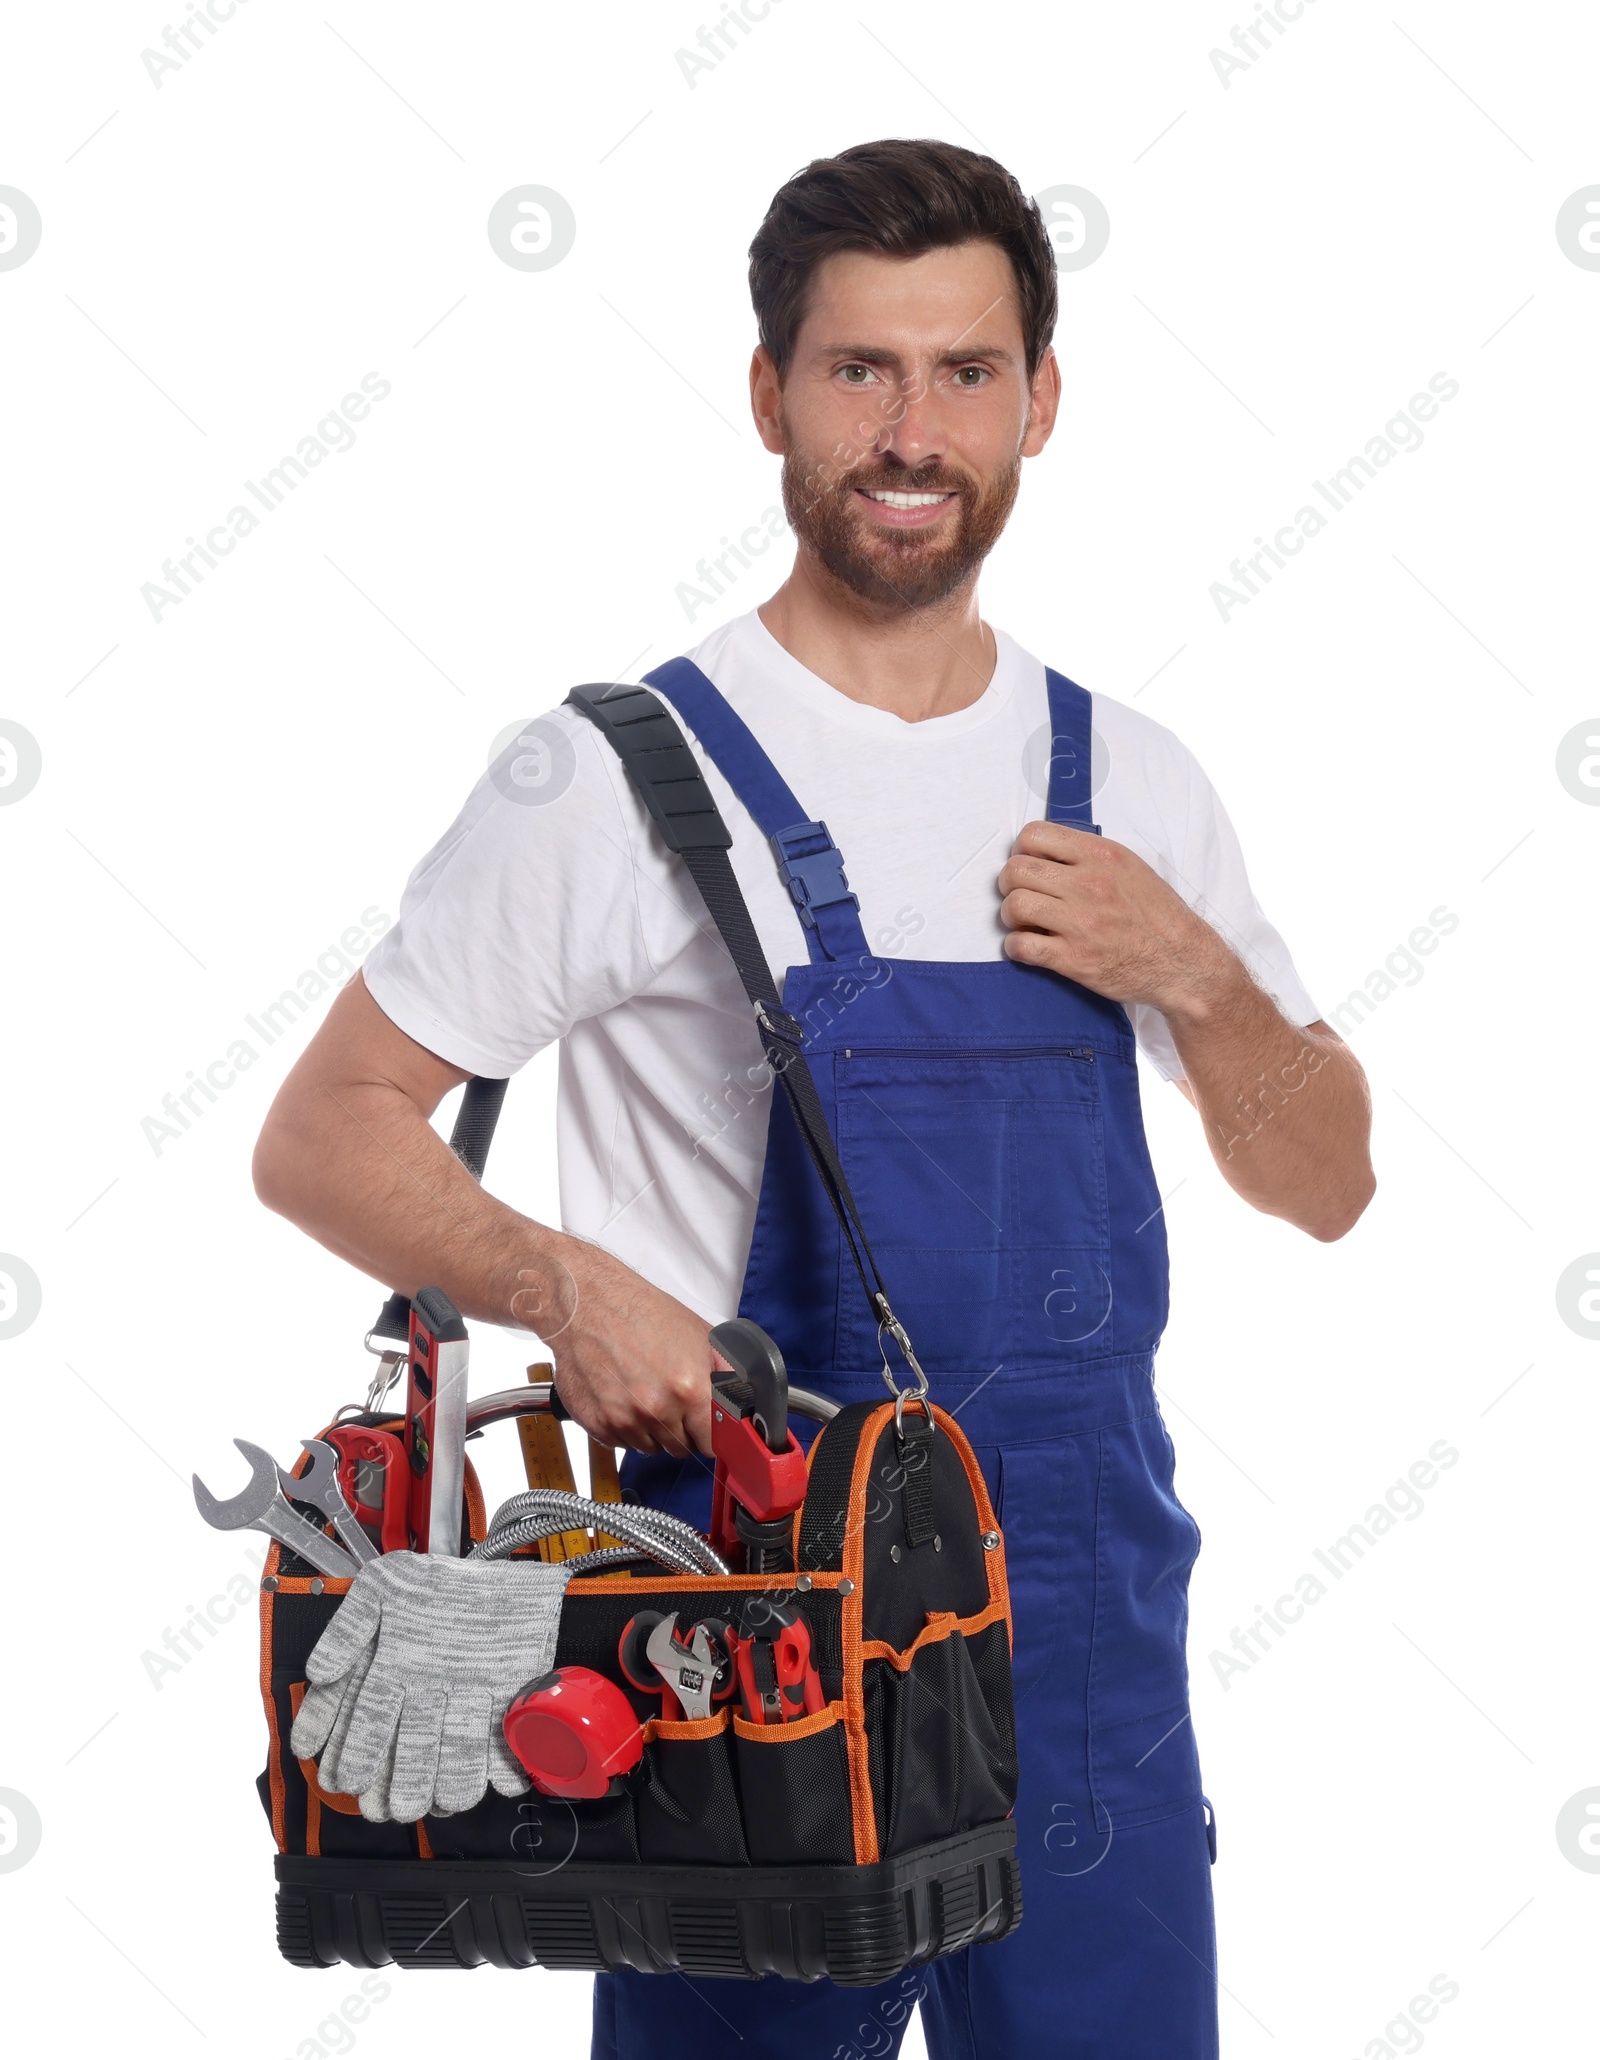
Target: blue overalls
{"points": [[987, 1117]]}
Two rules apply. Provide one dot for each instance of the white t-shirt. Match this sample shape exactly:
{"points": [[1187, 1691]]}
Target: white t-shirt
{"points": [[551, 909]]}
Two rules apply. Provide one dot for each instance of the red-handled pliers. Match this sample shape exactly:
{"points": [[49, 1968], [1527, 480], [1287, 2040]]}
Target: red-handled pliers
{"points": [[778, 1681]]}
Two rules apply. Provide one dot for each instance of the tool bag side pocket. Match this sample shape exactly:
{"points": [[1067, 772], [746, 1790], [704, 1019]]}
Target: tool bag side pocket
{"points": [[926, 1627], [942, 1758], [794, 1785], [296, 1606], [295, 1610], [686, 1800]]}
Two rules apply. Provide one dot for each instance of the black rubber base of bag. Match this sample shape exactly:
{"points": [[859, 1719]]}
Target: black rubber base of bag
{"points": [[856, 1925]]}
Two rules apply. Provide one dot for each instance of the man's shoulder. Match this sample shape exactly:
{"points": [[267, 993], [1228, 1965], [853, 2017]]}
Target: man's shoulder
{"points": [[1130, 735], [1140, 736], [726, 644]]}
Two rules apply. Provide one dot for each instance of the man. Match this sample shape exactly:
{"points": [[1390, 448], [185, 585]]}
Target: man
{"points": [[905, 295]]}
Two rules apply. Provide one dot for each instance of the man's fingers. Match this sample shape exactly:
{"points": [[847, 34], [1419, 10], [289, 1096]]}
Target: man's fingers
{"points": [[697, 1423], [1032, 948], [656, 1420], [1048, 875], [1024, 909], [642, 1383], [1057, 841]]}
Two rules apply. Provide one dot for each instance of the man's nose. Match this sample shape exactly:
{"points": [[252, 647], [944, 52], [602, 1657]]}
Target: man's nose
{"points": [[912, 427]]}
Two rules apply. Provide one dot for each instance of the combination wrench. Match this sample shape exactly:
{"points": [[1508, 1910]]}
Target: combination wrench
{"points": [[261, 1506]]}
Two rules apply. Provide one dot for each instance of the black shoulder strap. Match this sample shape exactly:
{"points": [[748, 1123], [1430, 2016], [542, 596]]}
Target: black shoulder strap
{"points": [[667, 775]]}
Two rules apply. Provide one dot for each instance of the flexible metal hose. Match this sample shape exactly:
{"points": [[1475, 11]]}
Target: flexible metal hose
{"points": [[511, 1537], [583, 1511], [539, 1512], [607, 1555]]}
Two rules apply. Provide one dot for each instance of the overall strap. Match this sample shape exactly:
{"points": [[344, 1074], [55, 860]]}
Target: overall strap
{"points": [[1071, 754], [667, 777], [809, 862]]}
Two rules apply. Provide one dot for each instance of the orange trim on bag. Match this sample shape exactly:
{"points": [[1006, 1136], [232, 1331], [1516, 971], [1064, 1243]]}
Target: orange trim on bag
{"points": [[320, 1797], [686, 1727], [274, 1745], [785, 1734], [863, 1814], [618, 1584], [424, 1845], [941, 1624], [995, 1561]]}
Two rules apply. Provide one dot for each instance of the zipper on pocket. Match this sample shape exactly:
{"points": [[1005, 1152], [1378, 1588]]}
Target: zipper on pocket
{"points": [[1084, 1052]]}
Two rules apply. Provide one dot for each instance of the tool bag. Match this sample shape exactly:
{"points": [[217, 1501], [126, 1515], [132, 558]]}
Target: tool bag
{"points": [[849, 1843]]}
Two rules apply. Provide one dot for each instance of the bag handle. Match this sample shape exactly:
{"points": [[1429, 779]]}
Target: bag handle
{"points": [[470, 1139]]}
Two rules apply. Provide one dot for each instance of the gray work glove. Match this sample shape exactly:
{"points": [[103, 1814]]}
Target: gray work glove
{"points": [[408, 1684]]}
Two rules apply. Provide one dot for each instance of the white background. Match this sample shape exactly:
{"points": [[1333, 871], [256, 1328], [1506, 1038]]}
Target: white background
{"points": [[226, 790]]}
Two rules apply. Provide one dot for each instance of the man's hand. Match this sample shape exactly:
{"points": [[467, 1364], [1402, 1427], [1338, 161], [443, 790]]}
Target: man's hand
{"points": [[1093, 911], [1285, 1107], [348, 1153], [633, 1365]]}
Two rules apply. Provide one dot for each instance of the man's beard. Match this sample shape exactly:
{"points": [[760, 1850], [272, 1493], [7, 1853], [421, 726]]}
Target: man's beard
{"points": [[897, 568]]}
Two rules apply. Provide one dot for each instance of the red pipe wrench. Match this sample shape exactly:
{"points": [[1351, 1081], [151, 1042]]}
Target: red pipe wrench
{"points": [[760, 1471]]}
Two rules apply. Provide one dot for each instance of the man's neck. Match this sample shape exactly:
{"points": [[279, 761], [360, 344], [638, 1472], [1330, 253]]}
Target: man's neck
{"points": [[915, 663]]}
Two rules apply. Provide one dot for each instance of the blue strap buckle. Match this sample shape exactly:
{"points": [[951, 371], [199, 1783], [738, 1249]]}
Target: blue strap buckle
{"points": [[815, 876]]}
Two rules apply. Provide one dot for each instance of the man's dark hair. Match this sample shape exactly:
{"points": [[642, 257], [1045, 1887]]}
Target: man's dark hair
{"points": [[900, 199]]}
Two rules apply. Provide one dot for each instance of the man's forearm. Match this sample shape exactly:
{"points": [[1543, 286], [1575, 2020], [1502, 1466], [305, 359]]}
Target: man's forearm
{"points": [[1286, 1109], [349, 1154], [362, 1171]]}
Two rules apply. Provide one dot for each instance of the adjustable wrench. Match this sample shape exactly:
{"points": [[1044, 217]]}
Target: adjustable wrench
{"points": [[261, 1506], [319, 1485], [691, 1671]]}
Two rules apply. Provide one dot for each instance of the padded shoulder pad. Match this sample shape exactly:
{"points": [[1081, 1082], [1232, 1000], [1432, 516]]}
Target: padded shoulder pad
{"points": [[657, 758]]}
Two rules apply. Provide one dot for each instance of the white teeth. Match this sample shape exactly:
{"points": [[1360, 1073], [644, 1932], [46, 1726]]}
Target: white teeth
{"points": [[894, 500]]}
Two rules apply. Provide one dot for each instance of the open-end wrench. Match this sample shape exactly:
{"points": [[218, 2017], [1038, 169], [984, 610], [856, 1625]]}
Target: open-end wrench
{"points": [[690, 1671], [319, 1485], [260, 1506]]}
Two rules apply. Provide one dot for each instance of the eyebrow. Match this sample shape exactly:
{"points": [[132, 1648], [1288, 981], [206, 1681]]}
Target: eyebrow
{"points": [[880, 354]]}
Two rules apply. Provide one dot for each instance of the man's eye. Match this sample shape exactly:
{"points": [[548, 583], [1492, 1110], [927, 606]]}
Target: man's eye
{"points": [[971, 375], [851, 373]]}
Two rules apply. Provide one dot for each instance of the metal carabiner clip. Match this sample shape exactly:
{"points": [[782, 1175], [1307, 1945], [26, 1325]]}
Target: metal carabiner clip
{"points": [[390, 1365], [888, 1321]]}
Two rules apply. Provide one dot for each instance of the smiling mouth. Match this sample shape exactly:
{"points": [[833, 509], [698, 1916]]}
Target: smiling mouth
{"points": [[891, 499]]}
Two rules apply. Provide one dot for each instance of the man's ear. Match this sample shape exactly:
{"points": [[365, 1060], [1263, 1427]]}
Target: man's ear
{"points": [[766, 400], [1044, 403]]}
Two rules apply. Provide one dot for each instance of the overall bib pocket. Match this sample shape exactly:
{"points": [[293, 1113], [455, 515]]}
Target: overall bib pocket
{"points": [[981, 1179]]}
